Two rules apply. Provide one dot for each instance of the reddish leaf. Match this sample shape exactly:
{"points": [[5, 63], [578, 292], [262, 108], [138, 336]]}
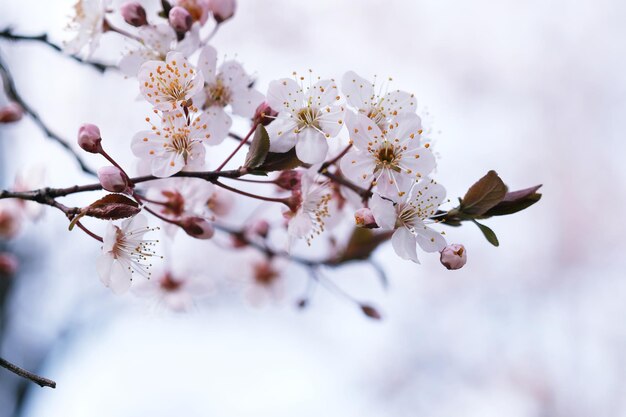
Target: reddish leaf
{"points": [[483, 195], [112, 207]]}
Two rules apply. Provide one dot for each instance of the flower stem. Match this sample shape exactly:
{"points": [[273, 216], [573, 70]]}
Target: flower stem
{"points": [[247, 194], [243, 142]]}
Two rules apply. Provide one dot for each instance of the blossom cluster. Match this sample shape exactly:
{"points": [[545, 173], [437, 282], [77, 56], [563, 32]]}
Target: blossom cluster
{"points": [[340, 152]]}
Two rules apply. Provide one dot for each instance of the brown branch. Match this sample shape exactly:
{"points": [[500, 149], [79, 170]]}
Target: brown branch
{"points": [[43, 38], [39, 380], [11, 91]]}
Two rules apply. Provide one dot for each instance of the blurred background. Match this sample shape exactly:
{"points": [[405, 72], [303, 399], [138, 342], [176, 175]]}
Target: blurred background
{"points": [[535, 328]]}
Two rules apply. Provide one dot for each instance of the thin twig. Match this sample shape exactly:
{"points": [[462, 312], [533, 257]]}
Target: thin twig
{"points": [[98, 66], [11, 91], [39, 380]]}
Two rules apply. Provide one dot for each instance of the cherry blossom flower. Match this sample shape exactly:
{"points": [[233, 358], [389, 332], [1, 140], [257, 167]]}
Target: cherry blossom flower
{"points": [[156, 42], [230, 86], [391, 159], [361, 95], [124, 253], [176, 291], [175, 145], [169, 84], [87, 25], [306, 119], [409, 217], [312, 209], [198, 9]]}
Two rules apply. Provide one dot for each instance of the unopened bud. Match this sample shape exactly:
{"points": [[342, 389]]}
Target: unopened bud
{"points": [[198, 227], [453, 256], [89, 138], [222, 9], [10, 219], [264, 273], [289, 180], [134, 14], [260, 228], [365, 218], [11, 112], [8, 264], [264, 114], [180, 19], [370, 311], [113, 179]]}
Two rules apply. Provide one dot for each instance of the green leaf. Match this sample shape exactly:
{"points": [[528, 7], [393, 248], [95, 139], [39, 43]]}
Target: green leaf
{"points": [[515, 201], [483, 195], [488, 233], [259, 148], [280, 161]]}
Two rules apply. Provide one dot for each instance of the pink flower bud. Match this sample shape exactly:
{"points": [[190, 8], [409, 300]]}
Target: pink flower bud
{"points": [[260, 228], [197, 227], [180, 19], [11, 112], [134, 14], [289, 180], [264, 114], [198, 9], [264, 273], [113, 179], [8, 264], [365, 218], [453, 256], [10, 219], [222, 9], [89, 138]]}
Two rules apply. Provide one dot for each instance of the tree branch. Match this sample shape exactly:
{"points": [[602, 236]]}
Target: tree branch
{"points": [[39, 380], [11, 91], [43, 38]]}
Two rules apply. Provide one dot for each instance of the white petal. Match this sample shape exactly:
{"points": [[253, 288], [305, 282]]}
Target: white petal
{"points": [[103, 266], [207, 63], [300, 225], [311, 146], [332, 120], [403, 243], [404, 128], [358, 91], [384, 212], [398, 102], [167, 164], [418, 162], [427, 195], [282, 136], [429, 240], [324, 93], [234, 76], [358, 166], [147, 144], [285, 95], [120, 276], [245, 102], [363, 132], [219, 123]]}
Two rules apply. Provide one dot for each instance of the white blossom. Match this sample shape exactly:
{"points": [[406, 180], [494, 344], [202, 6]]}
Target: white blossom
{"points": [[169, 84], [124, 253], [175, 145], [409, 218], [228, 86], [306, 119], [392, 159], [362, 96], [87, 26]]}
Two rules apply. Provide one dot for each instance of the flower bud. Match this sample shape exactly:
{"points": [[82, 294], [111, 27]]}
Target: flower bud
{"points": [[11, 112], [180, 19], [264, 273], [10, 219], [134, 14], [264, 114], [89, 138], [365, 218], [289, 180], [8, 264], [453, 256], [197, 227], [113, 179], [260, 227], [222, 9]]}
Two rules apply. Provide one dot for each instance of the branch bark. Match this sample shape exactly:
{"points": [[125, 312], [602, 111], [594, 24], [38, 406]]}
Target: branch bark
{"points": [[39, 380]]}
